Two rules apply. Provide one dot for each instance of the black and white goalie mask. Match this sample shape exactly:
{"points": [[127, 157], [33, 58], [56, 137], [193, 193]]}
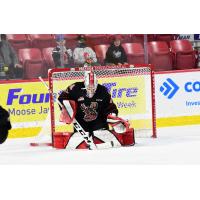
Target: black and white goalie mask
{"points": [[90, 82]]}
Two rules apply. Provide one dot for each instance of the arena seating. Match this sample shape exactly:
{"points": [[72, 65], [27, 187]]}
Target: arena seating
{"points": [[19, 41], [42, 40], [184, 55], [135, 52], [164, 51], [139, 38], [97, 39], [48, 59], [160, 56], [32, 62], [165, 37], [126, 38], [101, 52]]}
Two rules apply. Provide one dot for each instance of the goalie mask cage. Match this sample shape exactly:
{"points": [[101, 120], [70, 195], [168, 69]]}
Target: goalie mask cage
{"points": [[131, 88]]}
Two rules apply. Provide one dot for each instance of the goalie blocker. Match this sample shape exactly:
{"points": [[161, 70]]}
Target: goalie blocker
{"points": [[121, 135]]}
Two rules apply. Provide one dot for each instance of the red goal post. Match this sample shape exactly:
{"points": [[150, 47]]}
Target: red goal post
{"points": [[131, 87]]}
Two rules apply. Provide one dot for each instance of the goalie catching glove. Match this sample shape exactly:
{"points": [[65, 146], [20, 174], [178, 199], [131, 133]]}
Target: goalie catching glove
{"points": [[118, 124]]}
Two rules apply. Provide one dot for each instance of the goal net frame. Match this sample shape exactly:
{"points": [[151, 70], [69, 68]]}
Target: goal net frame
{"points": [[64, 74]]}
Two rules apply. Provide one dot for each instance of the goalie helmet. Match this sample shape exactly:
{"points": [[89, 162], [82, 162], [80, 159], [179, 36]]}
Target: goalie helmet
{"points": [[90, 82]]}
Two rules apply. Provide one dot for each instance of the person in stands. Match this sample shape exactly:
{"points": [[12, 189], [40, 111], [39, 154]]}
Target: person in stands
{"points": [[116, 54], [84, 55], [62, 55], [91, 105], [8, 60]]}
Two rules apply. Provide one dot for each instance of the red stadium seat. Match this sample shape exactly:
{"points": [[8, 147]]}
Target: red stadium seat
{"points": [[139, 38], [126, 38], [42, 40], [32, 62], [165, 37], [18, 41], [135, 53], [160, 56], [185, 57], [96, 39], [179, 46], [100, 51], [47, 55]]}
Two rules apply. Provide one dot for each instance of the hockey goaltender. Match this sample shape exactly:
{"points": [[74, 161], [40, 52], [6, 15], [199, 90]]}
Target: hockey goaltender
{"points": [[89, 106], [5, 124]]}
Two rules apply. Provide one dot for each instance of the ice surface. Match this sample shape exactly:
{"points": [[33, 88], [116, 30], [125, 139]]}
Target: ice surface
{"points": [[174, 145]]}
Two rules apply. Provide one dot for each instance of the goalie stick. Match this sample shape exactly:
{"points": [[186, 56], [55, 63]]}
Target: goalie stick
{"points": [[88, 139]]}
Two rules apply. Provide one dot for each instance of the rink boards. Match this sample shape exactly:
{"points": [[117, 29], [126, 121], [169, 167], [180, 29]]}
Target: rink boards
{"points": [[178, 98], [177, 102]]}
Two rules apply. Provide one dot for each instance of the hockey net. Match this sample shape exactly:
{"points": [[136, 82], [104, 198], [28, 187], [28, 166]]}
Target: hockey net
{"points": [[131, 88]]}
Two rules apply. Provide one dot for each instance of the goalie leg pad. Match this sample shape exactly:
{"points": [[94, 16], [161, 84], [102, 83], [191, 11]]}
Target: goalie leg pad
{"points": [[126, 139], [72, 141], [60, 140], [108, 136], [129, 138], [69, 141]]}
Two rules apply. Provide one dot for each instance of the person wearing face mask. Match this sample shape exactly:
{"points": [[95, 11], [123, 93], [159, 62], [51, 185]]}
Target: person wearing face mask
{"points": [[62, 56], [115, 54], [8, 60], [84, 55]]}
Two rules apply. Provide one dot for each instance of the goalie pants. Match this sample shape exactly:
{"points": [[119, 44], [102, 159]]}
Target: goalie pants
{"points": [[102, 136]]}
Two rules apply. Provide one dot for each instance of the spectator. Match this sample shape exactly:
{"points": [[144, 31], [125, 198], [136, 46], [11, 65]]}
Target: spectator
{"points": [[9, 60], [115, 54], [84, 55], [61, 55]]}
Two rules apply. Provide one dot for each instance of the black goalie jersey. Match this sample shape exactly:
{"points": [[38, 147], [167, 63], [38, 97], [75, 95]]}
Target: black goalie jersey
{"points": [[91, 112]]}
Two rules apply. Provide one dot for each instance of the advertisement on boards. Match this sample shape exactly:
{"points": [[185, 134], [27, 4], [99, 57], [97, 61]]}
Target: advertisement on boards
{"points": [[28, 102], [178, 97]]}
